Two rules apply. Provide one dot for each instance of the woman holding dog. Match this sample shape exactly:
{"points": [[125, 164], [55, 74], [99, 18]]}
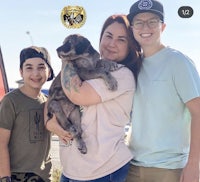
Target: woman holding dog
{"points": [[105, 113], [24, 141]]}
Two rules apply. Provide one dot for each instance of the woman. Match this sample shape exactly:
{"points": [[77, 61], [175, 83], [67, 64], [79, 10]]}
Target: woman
{"points": [[105, 113]]}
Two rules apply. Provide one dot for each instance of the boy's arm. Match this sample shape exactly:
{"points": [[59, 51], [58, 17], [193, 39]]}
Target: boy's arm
{"points": [[4, 153]]}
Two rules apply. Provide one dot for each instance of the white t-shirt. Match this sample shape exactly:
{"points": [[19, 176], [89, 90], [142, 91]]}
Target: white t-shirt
{"points": [[103, 131]]}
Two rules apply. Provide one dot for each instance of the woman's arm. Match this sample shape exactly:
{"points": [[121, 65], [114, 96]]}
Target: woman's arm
{"points": [[53, 126], [4, 153], [80, 93]]}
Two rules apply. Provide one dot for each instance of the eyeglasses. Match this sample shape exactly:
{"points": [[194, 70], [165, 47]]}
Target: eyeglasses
{"points": [[151, 23]]}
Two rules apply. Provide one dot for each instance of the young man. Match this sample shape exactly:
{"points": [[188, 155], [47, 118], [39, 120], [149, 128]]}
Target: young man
{"points": [[165, 137], [24, 141]]}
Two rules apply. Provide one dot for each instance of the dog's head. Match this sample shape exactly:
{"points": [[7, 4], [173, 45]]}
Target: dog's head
{"points": [[78, 49]]}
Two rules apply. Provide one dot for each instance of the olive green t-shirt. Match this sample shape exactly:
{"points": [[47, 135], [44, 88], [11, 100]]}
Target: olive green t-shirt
{"points": [[29, 143]]}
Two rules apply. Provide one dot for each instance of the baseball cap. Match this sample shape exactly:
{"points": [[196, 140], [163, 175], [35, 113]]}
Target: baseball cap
{"points": [[36, 52], [142, 6]]}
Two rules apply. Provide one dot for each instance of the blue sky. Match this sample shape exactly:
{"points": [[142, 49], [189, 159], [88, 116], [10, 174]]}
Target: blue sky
{"points": [[42, 19]]}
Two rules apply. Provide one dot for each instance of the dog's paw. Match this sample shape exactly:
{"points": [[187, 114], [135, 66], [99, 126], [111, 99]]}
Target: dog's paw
{"points": [[112, 84], [113, 66], [82, 147], [109, 65]]}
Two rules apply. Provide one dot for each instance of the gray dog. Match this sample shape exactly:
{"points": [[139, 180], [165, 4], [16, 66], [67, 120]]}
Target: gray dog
{"points": [[85, 59]]}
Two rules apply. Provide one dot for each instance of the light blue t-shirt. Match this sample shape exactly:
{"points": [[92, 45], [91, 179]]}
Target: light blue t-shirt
{"points": [[160, 119]]}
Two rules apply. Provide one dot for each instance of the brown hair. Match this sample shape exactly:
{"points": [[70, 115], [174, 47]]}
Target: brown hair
{"points": [[133, 60]]}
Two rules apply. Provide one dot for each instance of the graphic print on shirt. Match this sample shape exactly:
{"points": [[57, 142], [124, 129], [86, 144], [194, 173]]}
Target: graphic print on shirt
{"points": [[36, 125]]}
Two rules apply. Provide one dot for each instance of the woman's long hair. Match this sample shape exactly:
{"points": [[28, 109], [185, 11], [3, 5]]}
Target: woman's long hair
{"points": [[133, 60]]}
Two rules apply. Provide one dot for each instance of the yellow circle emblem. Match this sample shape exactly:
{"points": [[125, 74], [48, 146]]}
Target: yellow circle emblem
{"points": [[73, 16]]}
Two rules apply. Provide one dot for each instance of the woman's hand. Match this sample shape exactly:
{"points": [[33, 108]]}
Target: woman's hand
{"points": [[53, 126]]}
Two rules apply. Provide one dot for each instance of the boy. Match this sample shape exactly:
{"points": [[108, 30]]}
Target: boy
{"points": [[24, 141]]}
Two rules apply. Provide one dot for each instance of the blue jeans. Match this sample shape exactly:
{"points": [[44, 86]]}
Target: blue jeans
{"points": [[117, 176]]}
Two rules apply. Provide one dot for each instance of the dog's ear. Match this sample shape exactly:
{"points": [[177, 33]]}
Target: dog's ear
{"points": [[82, 46]]}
